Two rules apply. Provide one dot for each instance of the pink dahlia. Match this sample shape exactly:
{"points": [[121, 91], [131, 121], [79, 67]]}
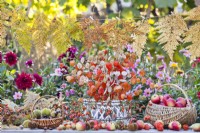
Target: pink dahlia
{"points": [[24, 81], [37, 79], [10, 58]]}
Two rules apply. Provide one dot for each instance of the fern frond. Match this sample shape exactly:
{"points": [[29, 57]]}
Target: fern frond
{"points": [[193, 35], [40, 32], [140, 37], [73, 29], [21, 25], [171, 28], [23, 36], [59, 37], [193, 14], [2, 35]]}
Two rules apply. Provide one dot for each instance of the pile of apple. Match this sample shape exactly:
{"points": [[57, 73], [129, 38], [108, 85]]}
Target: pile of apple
{"points": [[132, 126], [167, 100]]}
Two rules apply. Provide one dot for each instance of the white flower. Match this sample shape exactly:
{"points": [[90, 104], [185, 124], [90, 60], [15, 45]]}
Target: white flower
{"points": [[117, 73], [109, 89], [124, 73], [57, 72], [102, 63], [82, 60], [79, 65], [79, 73], [87, 65], [83, 79]]}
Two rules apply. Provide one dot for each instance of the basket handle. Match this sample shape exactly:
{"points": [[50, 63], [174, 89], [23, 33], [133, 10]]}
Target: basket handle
{"points": [[62, 109], [183, 91]]}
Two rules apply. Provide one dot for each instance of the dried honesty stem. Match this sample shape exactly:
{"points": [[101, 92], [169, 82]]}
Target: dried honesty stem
{"points": [[193, 14], [30, 98], [171, 28], [193, 35]]}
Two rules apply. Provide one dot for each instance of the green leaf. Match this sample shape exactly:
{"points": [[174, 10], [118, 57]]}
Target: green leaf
{"points": [[143, 2], [3, 68], [165, 3]]}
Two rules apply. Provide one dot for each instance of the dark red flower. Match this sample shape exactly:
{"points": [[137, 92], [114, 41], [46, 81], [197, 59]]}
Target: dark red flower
{"points": [[198, 95], [61, 57], [37, 79], [1, 58], [196, 62], [29, 63], [10, 58], [24, 81]]}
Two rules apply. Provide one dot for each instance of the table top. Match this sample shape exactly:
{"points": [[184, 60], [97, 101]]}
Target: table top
{"points": [[88, 131]]}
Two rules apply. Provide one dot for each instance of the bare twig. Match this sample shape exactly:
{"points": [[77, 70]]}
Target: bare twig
{"points": [[149, 8], [29, 7]]}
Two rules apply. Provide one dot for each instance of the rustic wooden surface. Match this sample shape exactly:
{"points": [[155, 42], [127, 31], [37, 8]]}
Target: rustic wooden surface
{"points": [[90, 131]]}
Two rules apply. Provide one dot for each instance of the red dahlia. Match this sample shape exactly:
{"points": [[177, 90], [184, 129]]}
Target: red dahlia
{"points": [[10, 58], [37, 79], [24, 81], [198, 95], [1, 58]]}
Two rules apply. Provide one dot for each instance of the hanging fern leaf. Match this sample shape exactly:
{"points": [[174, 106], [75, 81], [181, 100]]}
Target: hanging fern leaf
{"points": [[171, 28], [73, 29], [193, 35], [193, 14], [140, 37], [20, 23], [40, 32], [2, 34], [59, 37], [23, 36]]}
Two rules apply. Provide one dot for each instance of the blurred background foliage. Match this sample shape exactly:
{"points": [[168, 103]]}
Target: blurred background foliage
{"points": [[108, 9]]}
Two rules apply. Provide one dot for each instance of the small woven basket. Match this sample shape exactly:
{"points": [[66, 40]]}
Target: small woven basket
{"points": [[47, 123], [186, 115]]}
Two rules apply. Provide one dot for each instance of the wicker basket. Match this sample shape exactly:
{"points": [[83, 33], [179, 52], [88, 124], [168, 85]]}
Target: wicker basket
{"points": [[47, 123], [186, 115]]}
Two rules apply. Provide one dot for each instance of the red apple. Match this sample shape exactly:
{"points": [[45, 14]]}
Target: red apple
{"points": [[161, 98], [182, 101], [146, 126], [80, 126], [155, 99], [174, 125], [171, 102], [185, 127], [162, 104], [158, 122], [159, 125], [103, 125], [196, 127], [179, 104], [140, 124], [147, 118], [110, 126], [165, 98], [96, 127], [73, 125]]}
